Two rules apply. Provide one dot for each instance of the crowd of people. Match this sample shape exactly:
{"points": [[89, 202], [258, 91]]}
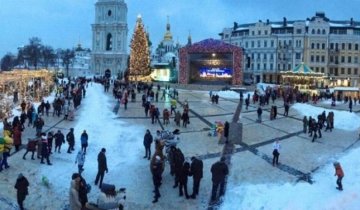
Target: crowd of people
{"points": [[314, 126], [68, 98]]}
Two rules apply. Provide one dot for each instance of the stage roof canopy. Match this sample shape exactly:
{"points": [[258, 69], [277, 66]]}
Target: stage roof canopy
{"points": [[211, 45]]}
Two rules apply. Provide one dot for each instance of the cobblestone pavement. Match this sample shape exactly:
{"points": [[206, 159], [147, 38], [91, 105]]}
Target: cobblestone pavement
{"points": [[251, 161]]}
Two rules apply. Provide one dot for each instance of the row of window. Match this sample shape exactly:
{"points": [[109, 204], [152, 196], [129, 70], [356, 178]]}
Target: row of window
{"points": [[343, 46], [298, 43], [350, 71], [340, 31], [350, 59], [281, 56], [264, 66]]}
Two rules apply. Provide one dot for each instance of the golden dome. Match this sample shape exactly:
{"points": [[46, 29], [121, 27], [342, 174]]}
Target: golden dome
{"points": [[168, 35]]}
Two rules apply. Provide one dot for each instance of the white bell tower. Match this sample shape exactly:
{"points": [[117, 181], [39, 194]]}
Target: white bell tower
{"points": [[109, 38]]}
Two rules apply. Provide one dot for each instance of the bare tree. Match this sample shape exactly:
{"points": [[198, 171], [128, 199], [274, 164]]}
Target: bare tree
{"points": [[8, 62], [67, 57], [32, 52], [48, 56]]}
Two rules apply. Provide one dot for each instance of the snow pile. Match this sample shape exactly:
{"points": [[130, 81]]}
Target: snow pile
{"points": [[230, 94], [343, 120], [302, 196], [124, 151]]}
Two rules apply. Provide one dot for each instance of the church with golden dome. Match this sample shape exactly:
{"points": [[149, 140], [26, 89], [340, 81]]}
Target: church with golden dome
{"points": [[167, 50], [165, 59]]}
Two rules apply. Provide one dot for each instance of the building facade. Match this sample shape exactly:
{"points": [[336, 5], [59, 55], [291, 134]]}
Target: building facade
{"points": [[109, 38], [81, 65], [327, 46]]}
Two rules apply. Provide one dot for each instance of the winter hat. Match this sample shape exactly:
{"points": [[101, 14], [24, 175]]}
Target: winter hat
{"points": [[103, 150], [20, 175]]}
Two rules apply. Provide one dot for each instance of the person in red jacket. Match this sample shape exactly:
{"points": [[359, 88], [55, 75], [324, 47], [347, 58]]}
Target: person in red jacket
{"points": [[340, 174]]}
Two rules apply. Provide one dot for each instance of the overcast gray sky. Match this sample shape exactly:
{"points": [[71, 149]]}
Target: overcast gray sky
{"points": [[62, 23]]}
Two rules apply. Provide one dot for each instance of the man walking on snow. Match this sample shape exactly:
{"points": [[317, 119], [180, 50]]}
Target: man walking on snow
{"points": [[102, 167], [70, 138], [148, 139]]}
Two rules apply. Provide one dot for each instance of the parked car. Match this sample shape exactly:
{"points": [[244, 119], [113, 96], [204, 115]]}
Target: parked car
{"points": [[248, 81]]}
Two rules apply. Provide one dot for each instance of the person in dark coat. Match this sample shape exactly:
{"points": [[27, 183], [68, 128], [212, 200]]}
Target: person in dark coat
{"points": [[157, 177], [183, 179], [102, 167], [23, 117], [350, 104], [47, 108], [287, 107], [178, 164], [39, 124], [314, 129], [21, 187], [29, 115], [219, 171], [59, 140], [319, 127], [17, 136], [31, 147], [305, 124], [226, 131], [147, 108], [44, 149], [50, 138], [275, 112], [70, 138], [259, 113], [247, 102], [196, 171], [148, 139], [84, 141], [23, 106], [185, 118], [171, 156]]}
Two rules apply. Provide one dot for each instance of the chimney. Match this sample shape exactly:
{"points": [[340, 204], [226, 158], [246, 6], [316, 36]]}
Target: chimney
{"points": [[267, 21], [351, 21], [285, 22]]}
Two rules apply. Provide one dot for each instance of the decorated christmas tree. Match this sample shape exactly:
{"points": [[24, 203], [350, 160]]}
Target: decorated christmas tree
{"points": [[140, 54]]}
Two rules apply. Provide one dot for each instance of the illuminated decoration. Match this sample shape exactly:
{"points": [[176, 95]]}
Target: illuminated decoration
{"points": [[215, 72], [160, 74], [5, 106], [140, 54], [213, 48], [163, 72], [31, 85], [301, 74]]}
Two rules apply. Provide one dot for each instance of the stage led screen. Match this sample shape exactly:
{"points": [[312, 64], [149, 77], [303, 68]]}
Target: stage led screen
{"points": [[206, 72]]}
